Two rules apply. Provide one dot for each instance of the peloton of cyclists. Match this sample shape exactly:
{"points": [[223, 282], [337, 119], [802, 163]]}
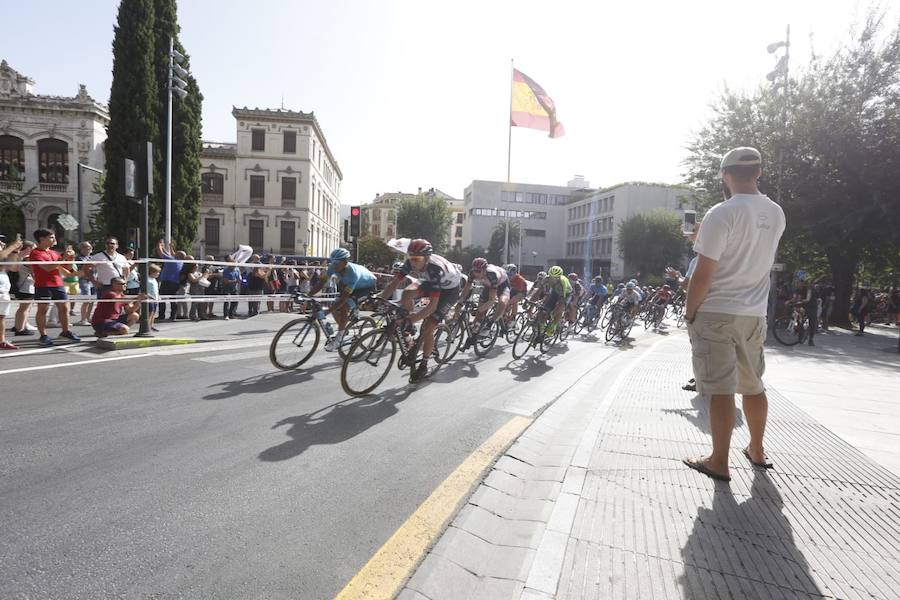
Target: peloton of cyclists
{"points": [[598, 294], [518, 289], [494, 287], [425, 274], [578, 293], [555, 290]]}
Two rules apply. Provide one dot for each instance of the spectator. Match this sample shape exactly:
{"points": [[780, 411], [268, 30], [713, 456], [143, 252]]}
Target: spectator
{"points": [[170, 278], [71, 281], [109, 318], [107, 264], [153, 294], [213, 274], [48, 285], [894, 305], [256, 283], [272, 282], [188, 276], [862, 306], [132, 281], [198, 286], [24, 291], [726, 308], [86, 281], [291, 284], [231, 286], [5, 287]]}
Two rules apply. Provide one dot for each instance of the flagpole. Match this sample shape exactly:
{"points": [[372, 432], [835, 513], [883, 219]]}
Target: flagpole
{"points": [[509, 120]]}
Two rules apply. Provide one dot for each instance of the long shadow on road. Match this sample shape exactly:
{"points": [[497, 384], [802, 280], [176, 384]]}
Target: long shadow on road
{"points": [[335, 423], [263, 384]]}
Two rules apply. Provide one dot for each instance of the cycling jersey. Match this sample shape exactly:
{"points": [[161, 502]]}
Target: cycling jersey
{"points": [[518, 284], [492, 276], [561, 286], [630, 296], [598, 289], [663, 297], [437, 273], [353, 277]]}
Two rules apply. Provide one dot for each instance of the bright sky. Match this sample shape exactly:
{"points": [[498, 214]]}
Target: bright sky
{"points": [[416, 92]]}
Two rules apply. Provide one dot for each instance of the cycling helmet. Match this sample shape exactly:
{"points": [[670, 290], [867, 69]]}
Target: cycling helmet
{"points": [[511, 269], [541, 275], [479, 264], [597, 279], [339, 254], [666, 287], [555, 272], [397, 267], [620, 286], [572, 276], [420, 247], [630, 285]]}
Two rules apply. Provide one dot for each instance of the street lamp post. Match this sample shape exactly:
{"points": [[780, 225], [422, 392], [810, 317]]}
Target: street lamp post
{"points": [[178, 85], [781, 69], [79, 195]]}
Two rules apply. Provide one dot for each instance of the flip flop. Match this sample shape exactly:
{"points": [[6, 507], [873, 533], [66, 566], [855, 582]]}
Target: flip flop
{"points": [[702, 468], [766, 464]]}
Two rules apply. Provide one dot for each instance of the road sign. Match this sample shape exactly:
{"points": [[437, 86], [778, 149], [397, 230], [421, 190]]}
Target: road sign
{"points": [[68, 222], [778, 267]]}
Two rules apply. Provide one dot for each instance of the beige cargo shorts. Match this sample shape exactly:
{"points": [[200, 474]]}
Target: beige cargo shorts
{"points": [[727, 353]]}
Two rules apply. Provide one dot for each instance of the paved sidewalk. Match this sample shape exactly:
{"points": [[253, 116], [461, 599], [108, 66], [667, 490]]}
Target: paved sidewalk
{"points": [[593, 502]]}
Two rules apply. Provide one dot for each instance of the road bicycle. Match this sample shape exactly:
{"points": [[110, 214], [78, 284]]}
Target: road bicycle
{"points": [[792, 329], [373, 354], [298, 339], [542, 332], [464, 333], [654, 317], [620, 323], [589, 318]]}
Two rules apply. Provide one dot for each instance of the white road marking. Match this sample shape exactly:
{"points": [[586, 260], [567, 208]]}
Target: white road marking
{"points": [[231, 357], [72, 364]]}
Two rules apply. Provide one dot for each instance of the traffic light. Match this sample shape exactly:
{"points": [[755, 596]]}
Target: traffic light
{"points": [[355, 218]]}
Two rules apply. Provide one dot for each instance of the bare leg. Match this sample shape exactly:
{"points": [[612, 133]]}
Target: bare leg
{"points": [[63, 309], [756, 411], [721, 424], [22, 315], [40, 318]]}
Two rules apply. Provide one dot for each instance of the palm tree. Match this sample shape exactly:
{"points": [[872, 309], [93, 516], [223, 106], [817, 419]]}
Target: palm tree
{"points": [[498, 237]]}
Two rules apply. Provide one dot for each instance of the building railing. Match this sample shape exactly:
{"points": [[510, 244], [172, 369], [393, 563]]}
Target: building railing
{"points": [[11, 185], [257, 201], [210, 198], [54, 187], [288, 203]]}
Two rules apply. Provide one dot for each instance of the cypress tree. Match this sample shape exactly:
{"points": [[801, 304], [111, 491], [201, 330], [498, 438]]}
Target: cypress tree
{"points": [[186, 134], [132, 114]]}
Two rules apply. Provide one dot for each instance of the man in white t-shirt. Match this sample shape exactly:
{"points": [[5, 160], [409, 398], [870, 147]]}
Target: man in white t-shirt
{"points": [[726, 308], [107, 265]]}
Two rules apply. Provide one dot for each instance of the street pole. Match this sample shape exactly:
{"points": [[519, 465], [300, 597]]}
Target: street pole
{"points": [[509, 120], [520, 245], [168, 232], [144, 324], [506, 241]]}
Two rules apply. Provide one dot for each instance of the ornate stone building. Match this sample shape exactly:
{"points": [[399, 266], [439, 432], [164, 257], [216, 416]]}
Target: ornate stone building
{"points": [[42, 140], [277, 188]]}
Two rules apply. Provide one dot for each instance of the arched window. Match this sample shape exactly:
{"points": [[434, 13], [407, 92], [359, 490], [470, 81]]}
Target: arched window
{"points": [[53, 161], [12, 158]]}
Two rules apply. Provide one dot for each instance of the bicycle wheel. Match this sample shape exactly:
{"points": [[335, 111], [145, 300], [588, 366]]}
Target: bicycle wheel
{"points": [[485, 338], [355, 331], [444, 344], [606, 318], [612, 328], [525, 339], [680, 320], [456, 333], [648, 318], [626, 325], [549, 339], [368, 362], [581, 323], [294, 343], [788, 332]]}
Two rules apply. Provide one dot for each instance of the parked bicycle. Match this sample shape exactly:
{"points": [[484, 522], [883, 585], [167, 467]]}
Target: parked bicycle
{"points": [[792, 329]]}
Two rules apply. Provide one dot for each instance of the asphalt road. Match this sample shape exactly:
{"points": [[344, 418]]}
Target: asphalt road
{"points": [[202, 472]]}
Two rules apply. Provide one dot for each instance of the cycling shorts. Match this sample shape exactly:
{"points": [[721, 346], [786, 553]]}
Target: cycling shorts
{"points": [[502, 293], [446, 299], [551, 300], [359, 294]]}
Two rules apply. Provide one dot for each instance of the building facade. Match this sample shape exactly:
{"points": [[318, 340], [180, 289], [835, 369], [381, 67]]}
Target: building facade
{"points": [[592, 224], [276, 189], [379, 217], [42, 141]]}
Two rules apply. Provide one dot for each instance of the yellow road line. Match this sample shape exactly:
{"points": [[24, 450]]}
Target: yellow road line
{"points": [[386, 572]]}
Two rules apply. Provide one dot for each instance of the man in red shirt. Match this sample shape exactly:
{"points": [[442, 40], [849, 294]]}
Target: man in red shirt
{"points": [[48, 285], [108, 318]]}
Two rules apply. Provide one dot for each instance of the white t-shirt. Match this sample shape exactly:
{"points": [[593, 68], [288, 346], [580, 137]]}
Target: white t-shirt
{"points": [[106, 270], [742, 235]]}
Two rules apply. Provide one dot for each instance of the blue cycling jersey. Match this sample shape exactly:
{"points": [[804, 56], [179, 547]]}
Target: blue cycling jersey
{"points": [[353, 277], [598, 289]]}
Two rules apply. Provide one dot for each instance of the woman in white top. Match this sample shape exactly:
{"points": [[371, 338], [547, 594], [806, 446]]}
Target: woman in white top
{"points": [[25, 291]]}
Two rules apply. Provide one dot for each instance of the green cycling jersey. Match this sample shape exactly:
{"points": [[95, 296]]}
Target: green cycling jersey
{"points": [[561, 286]]}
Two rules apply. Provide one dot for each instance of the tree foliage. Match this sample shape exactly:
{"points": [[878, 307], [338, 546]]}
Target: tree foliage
{"points": [[425, 217], [495, 251], [831, 151], [138, 113], [651, 241], [12, 217], [464, 256], [373, 250]]}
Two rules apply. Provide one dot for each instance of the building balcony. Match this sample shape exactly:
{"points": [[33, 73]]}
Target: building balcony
{"points": [[54, 187], [210, 198], [288, 203], [14, 186]]}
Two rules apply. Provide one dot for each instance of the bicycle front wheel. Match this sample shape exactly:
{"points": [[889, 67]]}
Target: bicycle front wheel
{"points": [[486, 338], [355, 331], [294, 343], [368, 362], [524, 340], [788, 331]]}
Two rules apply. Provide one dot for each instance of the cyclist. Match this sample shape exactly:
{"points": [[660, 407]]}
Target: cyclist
{"points": [[631, 298], [598, 294], [354, 282], [518, 290], [578, 293], [538, 286], [661, 297], [495, 287], [555, 289], [435, 278]]}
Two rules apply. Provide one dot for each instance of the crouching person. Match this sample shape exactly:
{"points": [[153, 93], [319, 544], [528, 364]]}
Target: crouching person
{"points": [[115, 318]]}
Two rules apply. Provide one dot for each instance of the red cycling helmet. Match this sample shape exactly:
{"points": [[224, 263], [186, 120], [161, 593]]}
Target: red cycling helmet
{"points": [[479, 264], [420, 247], [572, 276]]}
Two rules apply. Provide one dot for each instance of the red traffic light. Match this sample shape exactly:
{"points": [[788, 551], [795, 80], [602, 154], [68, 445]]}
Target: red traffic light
{"points": [[354, 212]]}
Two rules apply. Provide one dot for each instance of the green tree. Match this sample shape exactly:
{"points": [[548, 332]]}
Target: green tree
{"points": [[373, 250], [649, 242], [837, 136], [186, 133], [132, 113], [425, 217], [495, 252], [464, 256], [12, 217]]}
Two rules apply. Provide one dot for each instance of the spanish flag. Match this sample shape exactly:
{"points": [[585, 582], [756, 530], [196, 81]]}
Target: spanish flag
{"points": [[531, 106]]}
